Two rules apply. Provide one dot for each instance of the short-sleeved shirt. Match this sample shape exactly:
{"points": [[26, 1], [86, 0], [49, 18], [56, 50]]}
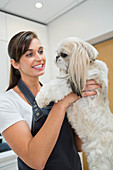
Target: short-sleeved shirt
{"points": [[13, 109], [64, 155]]}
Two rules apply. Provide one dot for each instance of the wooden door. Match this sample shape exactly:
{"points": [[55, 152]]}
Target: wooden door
{"points": [[105, 50]]}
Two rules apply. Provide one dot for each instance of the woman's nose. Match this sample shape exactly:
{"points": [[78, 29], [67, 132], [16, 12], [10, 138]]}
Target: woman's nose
{"points": [[38, 56]]}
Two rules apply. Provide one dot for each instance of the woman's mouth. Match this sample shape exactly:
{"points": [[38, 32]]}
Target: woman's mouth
{"points": [[39, 67]]}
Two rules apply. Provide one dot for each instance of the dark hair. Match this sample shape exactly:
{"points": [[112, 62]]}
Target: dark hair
{"points": [[18, 45]]}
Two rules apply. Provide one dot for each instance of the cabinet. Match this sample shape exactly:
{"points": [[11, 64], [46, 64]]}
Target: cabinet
{"points": [[8, 160]]}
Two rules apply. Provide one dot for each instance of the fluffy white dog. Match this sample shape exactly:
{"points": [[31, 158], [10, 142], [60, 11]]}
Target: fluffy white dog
{"points": [[90, 117]]}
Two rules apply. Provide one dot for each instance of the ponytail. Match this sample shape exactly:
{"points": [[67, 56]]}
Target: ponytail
{"points": [[14, 77]]}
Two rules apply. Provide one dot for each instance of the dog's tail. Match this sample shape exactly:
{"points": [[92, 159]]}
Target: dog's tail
{"points": [[83, 54]]}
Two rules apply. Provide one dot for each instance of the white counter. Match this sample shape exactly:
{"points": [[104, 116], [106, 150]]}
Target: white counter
{"points": [[8, 160]]}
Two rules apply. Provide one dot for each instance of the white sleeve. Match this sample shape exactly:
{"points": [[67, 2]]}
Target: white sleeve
{"points": [[9, 114]]}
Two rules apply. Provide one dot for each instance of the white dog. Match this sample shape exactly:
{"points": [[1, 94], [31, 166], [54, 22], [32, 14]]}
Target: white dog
{"points": [[90, 116]]}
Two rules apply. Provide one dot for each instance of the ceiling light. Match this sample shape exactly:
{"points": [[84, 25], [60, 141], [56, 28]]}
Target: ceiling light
{"points": [[38, 5]]}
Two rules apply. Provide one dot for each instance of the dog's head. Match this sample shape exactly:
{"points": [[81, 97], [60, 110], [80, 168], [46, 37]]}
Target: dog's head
{"points": [[73, 57]]}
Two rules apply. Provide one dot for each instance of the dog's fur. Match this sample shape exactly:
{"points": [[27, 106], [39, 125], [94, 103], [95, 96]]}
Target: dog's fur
{"points": [[90, 117]]}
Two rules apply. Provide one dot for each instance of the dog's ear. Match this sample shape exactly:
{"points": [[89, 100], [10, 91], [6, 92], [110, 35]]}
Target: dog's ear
{"points": [[78, 68]]}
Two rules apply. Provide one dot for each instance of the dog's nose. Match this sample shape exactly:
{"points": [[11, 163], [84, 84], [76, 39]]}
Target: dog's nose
{"points": [[57, 57]]}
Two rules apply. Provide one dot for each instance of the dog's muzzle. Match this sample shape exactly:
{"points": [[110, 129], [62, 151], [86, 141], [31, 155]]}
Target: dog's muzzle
{"points": [[57, 57]]}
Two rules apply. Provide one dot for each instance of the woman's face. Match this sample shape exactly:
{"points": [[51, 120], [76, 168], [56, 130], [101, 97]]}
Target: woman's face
{"points": [[32, 63]]}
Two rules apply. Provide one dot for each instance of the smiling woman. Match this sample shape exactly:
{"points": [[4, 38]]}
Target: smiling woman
{"points": [[42, 138], [36, 53], [51, 129], [32, 62], [31, 55]]}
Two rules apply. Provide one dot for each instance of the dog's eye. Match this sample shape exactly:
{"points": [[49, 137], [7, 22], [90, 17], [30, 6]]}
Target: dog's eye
{"points": [[63, 55], [92, 60]]}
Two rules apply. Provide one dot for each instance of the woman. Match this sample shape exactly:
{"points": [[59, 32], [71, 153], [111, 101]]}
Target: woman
{"points": [[52, 147]]}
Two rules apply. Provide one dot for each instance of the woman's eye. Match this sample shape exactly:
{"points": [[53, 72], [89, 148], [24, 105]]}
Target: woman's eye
{"points": [[29, 54], [40, 52]]}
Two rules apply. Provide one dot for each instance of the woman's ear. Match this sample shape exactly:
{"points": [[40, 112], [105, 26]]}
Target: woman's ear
{"points": [[14, 64]]}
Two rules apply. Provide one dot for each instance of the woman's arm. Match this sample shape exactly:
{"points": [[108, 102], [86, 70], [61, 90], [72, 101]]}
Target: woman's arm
{"points": [[35, 151]]}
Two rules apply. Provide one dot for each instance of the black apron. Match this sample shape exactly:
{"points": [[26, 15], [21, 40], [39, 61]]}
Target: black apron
{"points": [[64, 155]]}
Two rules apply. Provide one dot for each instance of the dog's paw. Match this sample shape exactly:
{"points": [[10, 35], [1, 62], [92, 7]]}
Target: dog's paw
{"points": [[41, 104], [40, 101], [42, 98]]}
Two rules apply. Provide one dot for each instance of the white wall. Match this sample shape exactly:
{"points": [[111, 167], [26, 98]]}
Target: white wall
{"points": [[10, 25], [93, 19], [90, 20]]}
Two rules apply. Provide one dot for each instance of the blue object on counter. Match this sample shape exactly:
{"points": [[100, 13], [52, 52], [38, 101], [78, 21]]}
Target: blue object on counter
{"points": [[4, 147]]}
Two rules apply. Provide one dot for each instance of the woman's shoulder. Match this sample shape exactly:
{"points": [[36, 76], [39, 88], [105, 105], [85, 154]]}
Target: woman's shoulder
{"points": [[7, 99], [7, 96], [9, 110], [11, 99]]}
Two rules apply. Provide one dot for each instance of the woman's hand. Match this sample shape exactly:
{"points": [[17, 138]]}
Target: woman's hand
{"points": [[90, 88]]}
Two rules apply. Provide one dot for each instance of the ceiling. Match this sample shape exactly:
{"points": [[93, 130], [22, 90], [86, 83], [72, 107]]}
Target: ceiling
{"points": [[26, 8]]}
